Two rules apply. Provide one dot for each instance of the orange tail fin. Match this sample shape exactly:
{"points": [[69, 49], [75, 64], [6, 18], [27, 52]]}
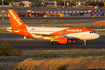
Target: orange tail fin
{"points": [[16, 22]]}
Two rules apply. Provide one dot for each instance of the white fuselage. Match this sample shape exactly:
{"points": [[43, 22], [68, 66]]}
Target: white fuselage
{"points": [[49, 30]]}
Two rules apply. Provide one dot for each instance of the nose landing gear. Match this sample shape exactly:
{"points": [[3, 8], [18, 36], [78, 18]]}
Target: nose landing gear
{"points": [[85, 42]]}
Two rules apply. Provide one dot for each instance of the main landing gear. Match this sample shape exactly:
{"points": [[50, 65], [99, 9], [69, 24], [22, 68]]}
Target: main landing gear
{"points": [[51, 43], [56, 42], [85, 42]]}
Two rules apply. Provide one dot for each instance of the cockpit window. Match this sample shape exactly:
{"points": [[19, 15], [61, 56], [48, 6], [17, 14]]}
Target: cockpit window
{"points": [[92, 32]]}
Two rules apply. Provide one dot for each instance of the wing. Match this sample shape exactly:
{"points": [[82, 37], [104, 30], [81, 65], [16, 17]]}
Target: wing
{"points": [[52, 37]]}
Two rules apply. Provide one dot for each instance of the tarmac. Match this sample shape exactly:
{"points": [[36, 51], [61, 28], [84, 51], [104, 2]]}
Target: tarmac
{"points": [[34, 44]]}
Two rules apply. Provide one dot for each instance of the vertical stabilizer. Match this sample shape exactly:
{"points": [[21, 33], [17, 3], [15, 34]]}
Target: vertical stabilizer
{"points": [[17, 25], [16, 22]]}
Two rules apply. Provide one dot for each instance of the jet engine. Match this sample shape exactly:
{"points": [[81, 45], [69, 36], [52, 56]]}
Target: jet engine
{"points": [[72, 41], [62, 40], [65, 40]]}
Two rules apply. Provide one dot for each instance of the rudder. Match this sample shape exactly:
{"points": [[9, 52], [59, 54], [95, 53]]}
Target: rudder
{"points": [[17, 25], [16, 22]]}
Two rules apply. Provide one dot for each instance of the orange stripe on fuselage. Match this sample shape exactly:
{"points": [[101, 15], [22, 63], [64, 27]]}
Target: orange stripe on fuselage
{"points": [[68, 31], [71, 31]]}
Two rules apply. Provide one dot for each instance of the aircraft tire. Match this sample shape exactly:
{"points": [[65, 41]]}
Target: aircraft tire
{"points": [[85, 44], [56, 43], [51, 43]]}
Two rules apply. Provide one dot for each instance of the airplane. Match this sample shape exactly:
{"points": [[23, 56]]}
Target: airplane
{"points": [[59, 35]]}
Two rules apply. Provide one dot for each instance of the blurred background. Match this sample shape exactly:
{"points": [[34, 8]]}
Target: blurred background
{"points": [[52, 3]]}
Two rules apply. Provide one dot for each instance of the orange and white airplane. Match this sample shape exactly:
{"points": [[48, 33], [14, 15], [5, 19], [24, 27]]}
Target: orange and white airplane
{"points": [[59, 35]]}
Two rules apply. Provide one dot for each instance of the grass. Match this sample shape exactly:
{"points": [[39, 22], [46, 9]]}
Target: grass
{"points": [[46, 20], [55, 59], [63, 25], [3, 29], [64, 53], [48, 54], [4, 21], [54, 64], [3, 13], [43, 20], [34, 20]]}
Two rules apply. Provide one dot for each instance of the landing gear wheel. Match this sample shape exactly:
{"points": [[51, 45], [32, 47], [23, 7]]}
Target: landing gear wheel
{"points": [[56, 43], [85, 42], [51, 43]]}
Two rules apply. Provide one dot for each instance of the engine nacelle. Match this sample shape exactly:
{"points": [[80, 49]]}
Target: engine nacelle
{"points": [[62, 40], [65, 40], [72, 41]]}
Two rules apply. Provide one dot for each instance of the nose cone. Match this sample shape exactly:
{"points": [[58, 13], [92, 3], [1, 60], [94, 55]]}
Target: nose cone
{"points": [[97, 35]]}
